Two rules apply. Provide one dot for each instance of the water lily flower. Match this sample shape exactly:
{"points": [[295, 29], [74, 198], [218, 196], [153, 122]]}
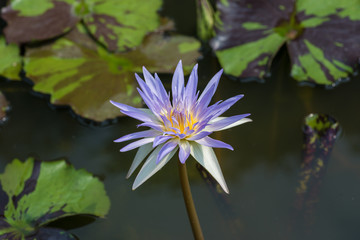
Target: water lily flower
{"points": [[183, 124]]}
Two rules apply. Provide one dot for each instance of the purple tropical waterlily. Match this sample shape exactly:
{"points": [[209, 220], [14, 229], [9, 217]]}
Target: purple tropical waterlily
{"points": [[183, 123]]}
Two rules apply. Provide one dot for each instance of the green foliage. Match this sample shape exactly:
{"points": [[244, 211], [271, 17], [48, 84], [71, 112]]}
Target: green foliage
{"points": [[35, 193]]}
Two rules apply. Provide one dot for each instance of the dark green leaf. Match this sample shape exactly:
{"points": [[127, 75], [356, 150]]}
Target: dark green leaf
{"points": [[10, 60], [77, 72], [322, 37], [34, 193]]}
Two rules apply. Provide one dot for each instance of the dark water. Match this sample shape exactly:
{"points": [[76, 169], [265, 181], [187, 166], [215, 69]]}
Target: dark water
{"points": [[262, 171]]}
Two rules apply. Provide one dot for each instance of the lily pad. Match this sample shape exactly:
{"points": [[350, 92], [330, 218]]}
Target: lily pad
{"points": [[4, 107], [77, 72], [118, 25], [34, 193], [38, 19], [322, 37], [10, 60], [122, 25]]}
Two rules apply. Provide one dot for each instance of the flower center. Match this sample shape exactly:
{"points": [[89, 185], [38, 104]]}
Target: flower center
{"points": [[180, 121]]}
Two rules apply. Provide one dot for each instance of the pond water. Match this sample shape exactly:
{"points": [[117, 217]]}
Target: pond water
{"points": [[262, 171]]}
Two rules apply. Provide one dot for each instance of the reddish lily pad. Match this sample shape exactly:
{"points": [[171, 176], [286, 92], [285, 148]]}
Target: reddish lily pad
{"points": [[10, 60], [77, 72], [34, 193], [38, 20], [118, 25], [322, 37]]}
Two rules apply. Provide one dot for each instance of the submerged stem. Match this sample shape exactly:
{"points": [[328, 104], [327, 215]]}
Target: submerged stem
{"points": [[189, 203]]}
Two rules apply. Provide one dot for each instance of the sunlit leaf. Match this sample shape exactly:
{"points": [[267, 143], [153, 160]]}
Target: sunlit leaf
{"points": [[122, 24], [322, 37], [4, 107], [38, 19], [119, 25], [77, 72], [10, 60], [34, 193]]}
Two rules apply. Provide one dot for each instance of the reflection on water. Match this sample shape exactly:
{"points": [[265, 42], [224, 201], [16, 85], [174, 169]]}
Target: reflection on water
{"points": [[261, 172]]}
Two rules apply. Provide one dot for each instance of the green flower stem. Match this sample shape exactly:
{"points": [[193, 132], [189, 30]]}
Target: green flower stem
{"points": [[189, 203]]}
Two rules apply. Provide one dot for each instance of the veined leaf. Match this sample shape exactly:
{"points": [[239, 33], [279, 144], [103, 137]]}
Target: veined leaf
{"points": [[10, 60], [77, 72], [322, 37], [34, 193]]}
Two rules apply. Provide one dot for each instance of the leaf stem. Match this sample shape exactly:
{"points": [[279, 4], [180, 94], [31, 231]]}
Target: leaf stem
{"points": [[189, 203]]}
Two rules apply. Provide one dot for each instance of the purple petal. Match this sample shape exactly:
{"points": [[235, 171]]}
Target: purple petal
{"points": [[225, 105], [210, 142], [191, 86], [184, 151], [212, 85], [150, 81], [155, 108], [136, 144], [161, 139], [199, 136], [204, 102], [177, 83], [165, 150], [153, 125], [225, 122], [161, 90], [144, 87], [133, 112], [147, 133]]}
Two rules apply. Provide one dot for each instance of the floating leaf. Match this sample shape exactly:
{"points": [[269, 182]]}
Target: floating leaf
{"points": [[10, 60], [34, 193], [77, 72], [322, 37], [122, 25], [4, 107], [119, 25], [38, 19]]}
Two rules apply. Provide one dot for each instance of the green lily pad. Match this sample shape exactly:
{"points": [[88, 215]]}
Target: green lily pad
{"points": [[34, 193], [10, 60], [77, 72], [119, 25], [322, 37], [4, 107]]}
